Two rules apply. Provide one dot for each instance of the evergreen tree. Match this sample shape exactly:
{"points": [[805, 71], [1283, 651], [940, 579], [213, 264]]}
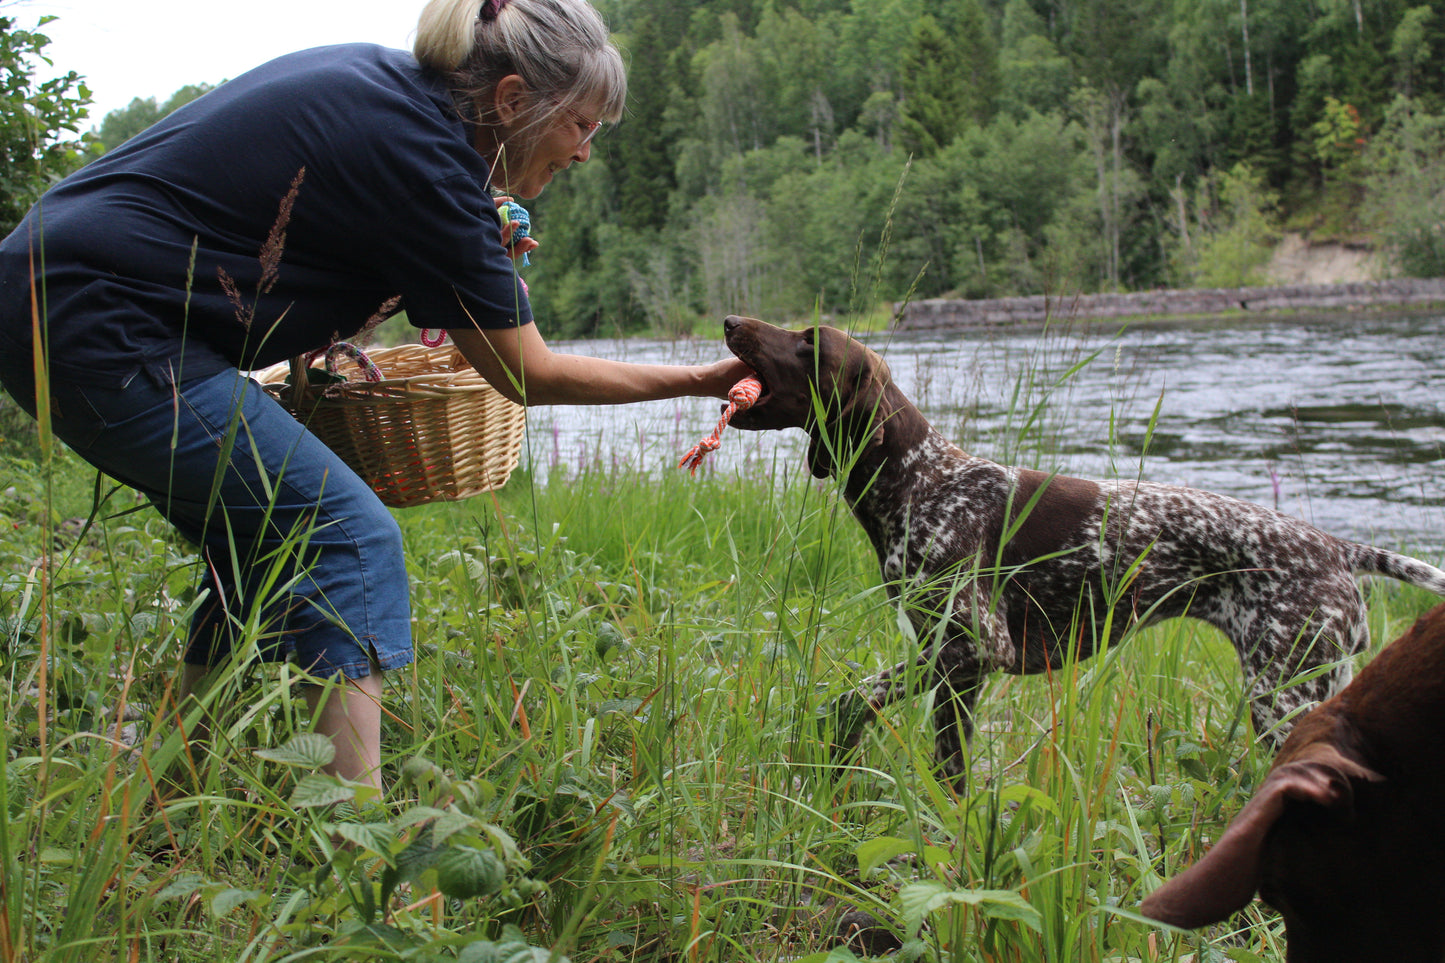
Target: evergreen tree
{"points": [[641, 152], [978, 55], [930, 80]]}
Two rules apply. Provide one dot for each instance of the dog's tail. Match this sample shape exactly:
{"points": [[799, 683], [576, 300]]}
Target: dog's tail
{"points": [[1368, 560]]}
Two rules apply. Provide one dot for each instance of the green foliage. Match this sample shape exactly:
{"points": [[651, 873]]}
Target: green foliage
{"points": [[934, 93], [1407, 188], [768, 145], [1234, 235], [1152, 102], [40, 139], [119, 126], [18, 436], [612, 745]]}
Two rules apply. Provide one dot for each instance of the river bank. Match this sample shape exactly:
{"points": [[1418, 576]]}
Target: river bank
{"points": [[1396, 296]]}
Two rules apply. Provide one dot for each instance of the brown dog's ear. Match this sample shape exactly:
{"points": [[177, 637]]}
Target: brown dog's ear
{"points": [[820, 449], [1228, 876], [820, 462], [855, 377]]}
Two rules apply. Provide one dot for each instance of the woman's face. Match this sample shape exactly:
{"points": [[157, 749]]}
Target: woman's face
{"points": [[527, 164]]}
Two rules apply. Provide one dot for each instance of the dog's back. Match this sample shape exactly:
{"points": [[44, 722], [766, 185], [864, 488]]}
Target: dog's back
{"points": [[1342, 835]]}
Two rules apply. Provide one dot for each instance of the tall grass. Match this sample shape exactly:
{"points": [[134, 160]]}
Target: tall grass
{"points": [[612, 747]]}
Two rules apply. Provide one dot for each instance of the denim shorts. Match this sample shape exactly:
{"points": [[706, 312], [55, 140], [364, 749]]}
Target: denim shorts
{"points": [[298, 552]]}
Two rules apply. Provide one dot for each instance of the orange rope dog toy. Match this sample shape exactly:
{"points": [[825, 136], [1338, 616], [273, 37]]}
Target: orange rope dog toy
{"points": [[740, 397]]}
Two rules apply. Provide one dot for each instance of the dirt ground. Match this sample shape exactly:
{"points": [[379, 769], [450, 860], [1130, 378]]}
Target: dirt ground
{"points": [[1297, 261]]}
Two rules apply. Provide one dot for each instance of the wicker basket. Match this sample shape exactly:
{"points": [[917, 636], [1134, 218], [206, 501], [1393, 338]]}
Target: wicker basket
{"points": [[431, 430]]}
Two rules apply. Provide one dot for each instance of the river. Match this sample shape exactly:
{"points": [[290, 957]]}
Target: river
{"points": [[1339, 421]]}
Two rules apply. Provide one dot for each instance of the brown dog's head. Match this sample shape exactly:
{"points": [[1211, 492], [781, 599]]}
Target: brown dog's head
{"points": [[818, 379], [1340, 835]]}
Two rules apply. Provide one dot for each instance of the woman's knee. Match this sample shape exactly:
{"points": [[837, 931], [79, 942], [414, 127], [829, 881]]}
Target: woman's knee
{"points": [[380, 531]]}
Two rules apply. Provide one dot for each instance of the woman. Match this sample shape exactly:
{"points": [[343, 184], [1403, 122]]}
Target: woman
{"points": [[271, 217]]}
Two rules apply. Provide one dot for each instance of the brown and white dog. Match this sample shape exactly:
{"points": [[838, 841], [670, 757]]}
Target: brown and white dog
{"points": [[1341, 837], [1002, 568]]}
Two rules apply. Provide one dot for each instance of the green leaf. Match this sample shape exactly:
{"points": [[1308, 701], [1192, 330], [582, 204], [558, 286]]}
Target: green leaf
{"points": [[920, 900], [319, 789], [309, 750], [465, 871], [181, 887], [375, 838], [511, 948], [876, 852], [418, 856], [449, 824], [230, 898], [376, 934]]}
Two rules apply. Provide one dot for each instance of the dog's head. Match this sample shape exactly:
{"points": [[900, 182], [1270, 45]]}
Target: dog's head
{"points": [[1317, 776], [818, 379]]}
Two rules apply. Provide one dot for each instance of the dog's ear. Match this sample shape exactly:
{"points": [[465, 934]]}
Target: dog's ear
{"points": [[821, 449], [1229, 875], [820, 461], [856, 376]]}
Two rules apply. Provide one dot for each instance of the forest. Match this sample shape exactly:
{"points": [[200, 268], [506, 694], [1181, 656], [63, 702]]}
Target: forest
{"points": [[783, 159], [826, 157]]}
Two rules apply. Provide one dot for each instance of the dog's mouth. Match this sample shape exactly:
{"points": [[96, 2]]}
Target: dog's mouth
{"points": [[764, 393], [742, 418]]}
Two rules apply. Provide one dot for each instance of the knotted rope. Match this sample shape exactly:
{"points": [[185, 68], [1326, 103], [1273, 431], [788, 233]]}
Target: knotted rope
{"points": [[740, 397]]}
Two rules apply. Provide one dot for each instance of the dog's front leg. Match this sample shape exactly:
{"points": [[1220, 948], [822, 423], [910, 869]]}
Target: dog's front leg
{"points": [[850, 713], [975, 639], [953, 703]]}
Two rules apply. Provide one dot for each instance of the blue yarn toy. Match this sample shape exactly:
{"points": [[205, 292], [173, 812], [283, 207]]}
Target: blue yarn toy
{"points": [[512, 211]]}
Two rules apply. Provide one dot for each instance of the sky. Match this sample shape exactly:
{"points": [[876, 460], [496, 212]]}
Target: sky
{"points": [[152, 48]]}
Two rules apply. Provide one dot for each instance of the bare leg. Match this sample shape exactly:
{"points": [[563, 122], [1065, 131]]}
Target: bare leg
{"points": [[349, 713]]}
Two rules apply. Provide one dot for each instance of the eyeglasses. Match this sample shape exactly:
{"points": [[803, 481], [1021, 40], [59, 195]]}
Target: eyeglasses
{"points": [[589, 127]]}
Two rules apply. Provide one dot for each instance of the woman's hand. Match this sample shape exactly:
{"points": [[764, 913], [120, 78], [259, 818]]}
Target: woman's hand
{"points": [[524, 245], [722, 375]]}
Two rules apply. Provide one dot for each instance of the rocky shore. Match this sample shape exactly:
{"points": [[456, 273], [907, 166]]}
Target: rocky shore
{"points": [[941, 314]]}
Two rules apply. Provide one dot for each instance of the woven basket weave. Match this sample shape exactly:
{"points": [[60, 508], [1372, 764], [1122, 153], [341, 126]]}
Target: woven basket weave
{"points": [[431, 430]]}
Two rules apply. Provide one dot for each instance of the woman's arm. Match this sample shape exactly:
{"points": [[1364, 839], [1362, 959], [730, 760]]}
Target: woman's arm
{"points": [[518, 363]]}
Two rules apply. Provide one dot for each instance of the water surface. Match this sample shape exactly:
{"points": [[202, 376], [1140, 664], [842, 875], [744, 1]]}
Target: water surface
{"points": [[1340, 422]]}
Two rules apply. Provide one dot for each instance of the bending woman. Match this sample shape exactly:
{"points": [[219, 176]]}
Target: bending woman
{"points": [[273, 216]]}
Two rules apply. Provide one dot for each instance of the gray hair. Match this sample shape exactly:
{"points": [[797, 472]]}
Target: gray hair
{"points": [[560, 48]]}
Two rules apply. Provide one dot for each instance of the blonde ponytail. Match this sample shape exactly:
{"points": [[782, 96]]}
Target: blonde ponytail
{"points": [[561, 48], [444, 34]]}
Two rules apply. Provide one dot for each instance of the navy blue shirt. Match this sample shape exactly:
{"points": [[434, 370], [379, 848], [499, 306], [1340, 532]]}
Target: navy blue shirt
{"points": [[156, 249]]}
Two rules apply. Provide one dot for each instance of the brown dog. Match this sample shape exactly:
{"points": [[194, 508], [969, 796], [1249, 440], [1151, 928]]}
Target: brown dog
{"points": [[1342, 837], [1012, 569]]}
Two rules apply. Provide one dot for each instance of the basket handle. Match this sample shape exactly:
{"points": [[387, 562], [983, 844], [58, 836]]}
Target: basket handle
{"points": [[299, 381], [369, 370], [301, 385]]}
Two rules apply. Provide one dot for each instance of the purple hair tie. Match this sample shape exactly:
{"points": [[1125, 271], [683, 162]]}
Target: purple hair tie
{"points": [[490, 10]]}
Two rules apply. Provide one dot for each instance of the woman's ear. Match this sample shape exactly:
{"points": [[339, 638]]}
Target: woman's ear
{"points": [[509, 98]]}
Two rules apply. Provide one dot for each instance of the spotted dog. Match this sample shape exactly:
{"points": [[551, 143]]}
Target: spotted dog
{"points": [[1003, 568]]}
